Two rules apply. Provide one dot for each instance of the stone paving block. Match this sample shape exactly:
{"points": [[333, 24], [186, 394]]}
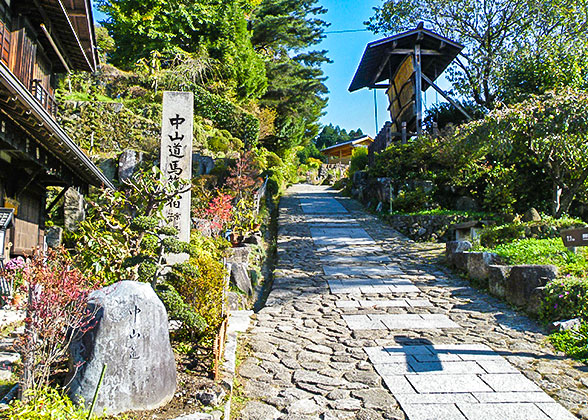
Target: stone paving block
{"points": [[433, 412], [362, 322], [555, 411], [409, 321], [349, 270], [397, 384], [321, 205], [423, 358], [444, 368], [347, 304], [404, 289], [501, 382], [379, 355], [447, 383], [441, 398], [391, 369], [390, 303], [411, 350], [502, 411], [419, 303], [497, 366], [513, 397]]}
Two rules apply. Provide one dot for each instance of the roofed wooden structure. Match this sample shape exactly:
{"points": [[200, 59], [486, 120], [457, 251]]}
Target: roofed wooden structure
{"points": [[408, 63]]}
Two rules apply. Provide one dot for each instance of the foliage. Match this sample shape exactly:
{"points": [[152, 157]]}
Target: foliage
{"points": [[552, 129], [243, 176], [359, 160], [125, 234], [492, 236], [573, 342], [57, 314], [104, 43], [543, 251], [45, 403], [188, 27], [411, 201], [494, 33], [281, 30], [565, 298], [446, 115], [200, 283], [310, 151]]}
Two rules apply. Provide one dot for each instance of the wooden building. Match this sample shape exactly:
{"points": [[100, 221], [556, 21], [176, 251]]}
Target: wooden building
{"points": [[341, 153], [39, 39]]}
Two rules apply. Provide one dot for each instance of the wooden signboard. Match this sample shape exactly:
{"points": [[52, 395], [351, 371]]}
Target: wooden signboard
{"points": [[575, 237], [401, 94]]}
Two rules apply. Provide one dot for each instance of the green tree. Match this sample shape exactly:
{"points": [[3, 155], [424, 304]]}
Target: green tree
{"points": [[209, 28], [296, 91], [552, 129]]}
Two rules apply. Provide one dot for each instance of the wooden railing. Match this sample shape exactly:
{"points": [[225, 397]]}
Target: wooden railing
{"points": [[44, 97]]}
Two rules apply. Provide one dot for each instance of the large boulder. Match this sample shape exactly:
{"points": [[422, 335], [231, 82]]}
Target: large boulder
{"points": [[454, 252], [240, 278], [477, 265], [497, 278], [524, 279], [531, 215], [131, 338], [128, 163]]}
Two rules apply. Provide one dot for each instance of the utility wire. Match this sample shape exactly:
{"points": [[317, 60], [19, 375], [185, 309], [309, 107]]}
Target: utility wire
{"points": [[344, 31]]}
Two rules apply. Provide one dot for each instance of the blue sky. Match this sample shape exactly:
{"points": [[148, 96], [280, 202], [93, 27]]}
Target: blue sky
{"points": [[349, 110]]}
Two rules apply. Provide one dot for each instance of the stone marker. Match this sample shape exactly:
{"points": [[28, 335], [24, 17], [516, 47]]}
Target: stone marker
{"points": [[73, 209], [176, 159], [131, 336]]}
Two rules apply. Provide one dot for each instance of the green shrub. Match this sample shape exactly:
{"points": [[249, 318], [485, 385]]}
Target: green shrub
{"points": [[496, 235], [565, 298], [543, 251], [573, 342], [45, 404], [412, 201], [359, 160]]}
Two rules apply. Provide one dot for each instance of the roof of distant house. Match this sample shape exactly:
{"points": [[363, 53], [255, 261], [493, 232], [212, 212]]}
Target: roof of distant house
{"points": [[349, 142]]}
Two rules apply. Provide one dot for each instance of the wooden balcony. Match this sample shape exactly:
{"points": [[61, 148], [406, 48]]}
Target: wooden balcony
{"points": [[44, 97]]}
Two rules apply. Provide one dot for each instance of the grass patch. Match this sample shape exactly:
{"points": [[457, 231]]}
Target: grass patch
{"points": [[542, 251], [86, 97], [445, 212], [573, 342]]}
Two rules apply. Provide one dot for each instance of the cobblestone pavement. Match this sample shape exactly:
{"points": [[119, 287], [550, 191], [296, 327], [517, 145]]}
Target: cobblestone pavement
{"points": [[361, 323]]}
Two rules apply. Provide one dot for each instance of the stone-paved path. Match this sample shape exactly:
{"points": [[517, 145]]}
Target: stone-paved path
{"points": [[362, 324]]}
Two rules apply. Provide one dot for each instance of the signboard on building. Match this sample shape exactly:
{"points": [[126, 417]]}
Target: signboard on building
{"points": [[176, 155]]}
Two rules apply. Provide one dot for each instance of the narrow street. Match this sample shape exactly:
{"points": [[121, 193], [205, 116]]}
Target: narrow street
{"points": [[362, 323]]}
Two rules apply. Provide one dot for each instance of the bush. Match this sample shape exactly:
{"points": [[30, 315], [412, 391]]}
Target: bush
{"points": [[565, 298], [496, 235], [411, 201], [573, 342], [543, 251], [359, 160], [45, 404]]}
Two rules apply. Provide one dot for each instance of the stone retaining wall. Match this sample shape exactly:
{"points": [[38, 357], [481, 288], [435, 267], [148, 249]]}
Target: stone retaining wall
{"points": [[520, 285], [425, 228]]}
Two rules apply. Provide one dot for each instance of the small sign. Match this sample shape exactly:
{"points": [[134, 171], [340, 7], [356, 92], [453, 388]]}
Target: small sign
{"points": [[575, 237]]}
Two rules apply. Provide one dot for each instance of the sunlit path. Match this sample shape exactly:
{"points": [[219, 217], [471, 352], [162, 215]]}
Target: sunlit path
{"points": [[362, 324]]}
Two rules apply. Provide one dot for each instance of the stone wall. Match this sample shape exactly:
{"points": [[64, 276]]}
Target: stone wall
{"points": [[520, 285], [422, 228]]}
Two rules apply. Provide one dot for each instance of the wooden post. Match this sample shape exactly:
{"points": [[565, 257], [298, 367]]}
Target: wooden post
{"points": [[418, 82]]}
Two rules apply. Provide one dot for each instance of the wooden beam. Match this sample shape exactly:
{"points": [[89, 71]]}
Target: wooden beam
{"points": [[407, 51], [451, 101], [379, 86], [418, 89], [381, 68], [56, 200]]}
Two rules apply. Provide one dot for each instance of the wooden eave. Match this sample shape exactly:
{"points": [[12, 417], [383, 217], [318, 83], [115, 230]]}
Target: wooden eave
{"points": [[24, 110], [381, 59], [70, 25]]}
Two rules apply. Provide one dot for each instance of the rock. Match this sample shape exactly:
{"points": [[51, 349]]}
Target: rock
{"points": [[422, 231], [128, 163], [256, 410], [535, 301], [73, 209], [566, 325], [202, 165], [54, 236], [465, 203], [108, 168], [240, 278], [477, 265], [454, 253], [205, 227], [236, 301], [497, 277], [195, 416], [239, 254], [523, 279], [211, 397], [531, 215], [131, 337]]}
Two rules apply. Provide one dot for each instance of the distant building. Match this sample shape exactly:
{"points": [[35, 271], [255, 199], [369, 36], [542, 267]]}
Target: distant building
{"points": [[39, 38], [341, 153]]}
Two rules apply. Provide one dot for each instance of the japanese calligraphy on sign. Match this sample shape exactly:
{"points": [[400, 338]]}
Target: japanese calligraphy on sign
{"points": [[176, 155]]}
